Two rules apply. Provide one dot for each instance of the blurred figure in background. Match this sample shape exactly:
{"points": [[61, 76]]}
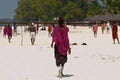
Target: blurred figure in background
{"points": [[50, 29], [0, 28], [95, 28], [15, 29], [37, 27], [9, 33], [103, 26], [108, 26], [115, 32], [5, 31], [32, 30]]}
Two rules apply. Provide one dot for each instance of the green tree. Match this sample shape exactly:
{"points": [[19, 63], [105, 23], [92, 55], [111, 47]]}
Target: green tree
{"points": [[71, 10], [94, 8], [112, 6], [24, 6], [47, 10]]}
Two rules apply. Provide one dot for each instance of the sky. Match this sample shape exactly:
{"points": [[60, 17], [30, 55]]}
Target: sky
{"points": [[7, 8]]}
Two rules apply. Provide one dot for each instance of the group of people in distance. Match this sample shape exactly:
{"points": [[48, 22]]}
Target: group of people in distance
{"points": [[113, 26], [60, 39], [7, 31]]}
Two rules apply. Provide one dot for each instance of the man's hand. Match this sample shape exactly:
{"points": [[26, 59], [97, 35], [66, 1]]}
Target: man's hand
{"points": [[52, 44], [69, 51]]}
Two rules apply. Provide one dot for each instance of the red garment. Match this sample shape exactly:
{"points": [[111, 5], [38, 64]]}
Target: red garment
{"points": [[5, 30], [9, 31], [95, 27], [114, 31], [61, 39]]}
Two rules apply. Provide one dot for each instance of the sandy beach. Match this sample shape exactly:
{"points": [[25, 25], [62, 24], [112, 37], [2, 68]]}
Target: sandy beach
{"points": [[98, 60]]}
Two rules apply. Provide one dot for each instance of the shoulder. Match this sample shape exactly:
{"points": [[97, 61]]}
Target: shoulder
{"points": [[66, 28], [56, 26]]}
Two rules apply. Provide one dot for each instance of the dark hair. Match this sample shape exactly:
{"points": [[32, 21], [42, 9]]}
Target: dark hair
{"points": [[61, 21], [114, 22]]}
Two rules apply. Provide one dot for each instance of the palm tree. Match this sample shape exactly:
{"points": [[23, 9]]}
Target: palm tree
{"points": [[109, 7]]}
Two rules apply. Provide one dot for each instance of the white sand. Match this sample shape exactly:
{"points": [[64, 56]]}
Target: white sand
{"points": [[98, 60]]}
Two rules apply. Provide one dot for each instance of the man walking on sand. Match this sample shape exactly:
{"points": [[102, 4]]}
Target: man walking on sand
{"points": [[115, 32], [95, 28], [61, 47], [32, 33]]}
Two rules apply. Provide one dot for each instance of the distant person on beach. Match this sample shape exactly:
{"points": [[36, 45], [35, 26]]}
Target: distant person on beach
{"points": [[95, 28], [32, 30], [37, 27], [50, 29], [61, 47], [9, 33], [0, 28], [15, 29], [108, 26], [103, 25], [5, 31], [115, 32]]}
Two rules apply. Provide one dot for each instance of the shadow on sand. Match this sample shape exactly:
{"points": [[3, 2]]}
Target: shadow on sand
{"points": [[66, 75]]}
